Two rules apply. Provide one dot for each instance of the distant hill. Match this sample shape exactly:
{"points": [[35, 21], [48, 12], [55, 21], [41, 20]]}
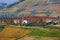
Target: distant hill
{"points": [[33, 8], [3, 5], [9, 6]]}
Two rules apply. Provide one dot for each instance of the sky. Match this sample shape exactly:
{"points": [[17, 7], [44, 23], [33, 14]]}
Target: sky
{"points": [[8, 1]]}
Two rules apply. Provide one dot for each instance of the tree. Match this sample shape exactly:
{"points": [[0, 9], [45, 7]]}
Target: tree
{"points": [[42, 22]]}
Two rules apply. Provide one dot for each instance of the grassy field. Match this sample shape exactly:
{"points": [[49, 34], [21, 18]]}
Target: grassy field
{"points": [[38, 34], [49, 31], [14, 33], [45, 33]]}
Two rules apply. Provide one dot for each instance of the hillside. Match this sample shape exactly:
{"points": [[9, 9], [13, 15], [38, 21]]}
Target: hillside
{"points": [[33, 8]]}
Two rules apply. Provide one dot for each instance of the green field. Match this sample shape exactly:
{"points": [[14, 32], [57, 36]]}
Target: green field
{"points": [[44, 33]]}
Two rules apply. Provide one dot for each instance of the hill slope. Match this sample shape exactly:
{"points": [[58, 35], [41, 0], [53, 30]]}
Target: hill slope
{"points": [[34, 8]]}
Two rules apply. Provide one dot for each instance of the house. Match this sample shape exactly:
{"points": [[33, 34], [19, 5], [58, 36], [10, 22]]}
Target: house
{"points": [[16, 21], [48, 20]]}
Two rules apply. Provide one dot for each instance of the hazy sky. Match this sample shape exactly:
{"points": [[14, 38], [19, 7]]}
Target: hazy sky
{"points": [[8, 1]]}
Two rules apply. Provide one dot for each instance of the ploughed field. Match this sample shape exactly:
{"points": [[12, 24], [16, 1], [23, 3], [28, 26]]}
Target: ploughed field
{"points": [[13, 33]]}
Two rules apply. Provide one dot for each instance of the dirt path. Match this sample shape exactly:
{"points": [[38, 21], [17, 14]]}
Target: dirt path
{"points": [[41, 28], [39, 38]]}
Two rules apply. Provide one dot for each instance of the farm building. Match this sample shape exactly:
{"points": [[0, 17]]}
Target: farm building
{"points": [[30, 19]]}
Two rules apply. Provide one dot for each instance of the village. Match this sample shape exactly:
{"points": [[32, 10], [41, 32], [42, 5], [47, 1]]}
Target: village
{"points": [[29, 20]]}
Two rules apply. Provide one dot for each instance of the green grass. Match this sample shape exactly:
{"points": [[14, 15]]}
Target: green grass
{"points": [[45, 33]]}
